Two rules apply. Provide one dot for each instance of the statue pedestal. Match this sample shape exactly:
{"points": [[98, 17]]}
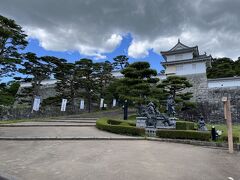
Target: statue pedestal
{"points": [[150, 131], [141, 122]]}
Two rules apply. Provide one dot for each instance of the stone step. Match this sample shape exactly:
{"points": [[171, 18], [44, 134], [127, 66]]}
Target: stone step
{"points": [[72, 117], [79, 119], [69, 121], [47, 124]]}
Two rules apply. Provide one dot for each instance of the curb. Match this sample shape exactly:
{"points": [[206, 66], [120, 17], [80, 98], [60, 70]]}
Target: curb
{"points": [[47, 125], [196, 143], [71, 118], [69, 121], [69, 138], [182, 141]]}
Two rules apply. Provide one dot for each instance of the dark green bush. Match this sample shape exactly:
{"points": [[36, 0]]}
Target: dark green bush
{"points": [[184, 134], [113, 122], [184, 125], [121, 128], [236, 139], [118, 122]]}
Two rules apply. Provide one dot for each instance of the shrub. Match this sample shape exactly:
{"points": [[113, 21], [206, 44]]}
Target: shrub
{"points": [[184, 134], [236, 139], [113, 122], [121, 128], [118, 122], [184, 125]]}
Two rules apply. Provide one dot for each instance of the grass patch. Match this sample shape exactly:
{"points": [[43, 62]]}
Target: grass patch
{"points": [[223, 127]]}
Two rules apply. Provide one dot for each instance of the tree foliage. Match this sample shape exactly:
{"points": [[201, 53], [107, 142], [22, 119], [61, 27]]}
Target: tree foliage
{"points": [[12, 38], [66, 86], [8, 92], [137, 83], [38, 69], [224, 67], [175, 86], [103, 73], [120, 62], [87, 79]]}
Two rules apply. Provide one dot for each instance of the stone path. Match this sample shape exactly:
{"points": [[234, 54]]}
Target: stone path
{"points": [[118, 160], [103, 160], [54, 132], [69, 127]]}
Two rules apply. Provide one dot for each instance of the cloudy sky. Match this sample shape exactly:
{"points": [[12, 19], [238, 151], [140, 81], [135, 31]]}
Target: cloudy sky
{"points": [[101, 29]]}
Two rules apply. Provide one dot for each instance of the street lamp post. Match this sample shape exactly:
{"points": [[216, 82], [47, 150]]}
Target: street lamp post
{"points": [[125, 110]]}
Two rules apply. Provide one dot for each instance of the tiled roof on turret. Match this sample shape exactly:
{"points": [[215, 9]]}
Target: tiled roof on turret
{"points": [[180, 48], [196, 59]]}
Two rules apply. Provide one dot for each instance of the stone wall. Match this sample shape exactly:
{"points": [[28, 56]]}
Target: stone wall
{"points": [[209, 100], [199, 86], [46, 91], [216, 105]]}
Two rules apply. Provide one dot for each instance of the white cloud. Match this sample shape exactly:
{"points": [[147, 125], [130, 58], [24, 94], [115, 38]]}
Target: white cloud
{"points": [[96, 27], [113, 41], [138, 49]]}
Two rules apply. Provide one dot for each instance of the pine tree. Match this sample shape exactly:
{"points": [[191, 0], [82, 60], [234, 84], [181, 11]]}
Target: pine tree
{"points": [[37, 69], [12, 38], [120, 62], [136, 86], [87, 80], [174, 85]]}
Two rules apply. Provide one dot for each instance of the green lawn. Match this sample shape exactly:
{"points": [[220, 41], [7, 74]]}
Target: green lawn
{"points": [[223, 127]]}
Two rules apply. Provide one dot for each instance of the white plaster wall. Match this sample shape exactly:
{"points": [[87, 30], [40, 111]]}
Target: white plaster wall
{"points": [[178, 57], [223, 83], [170, 69], [117, 74], [191, 68], [45, 82]]}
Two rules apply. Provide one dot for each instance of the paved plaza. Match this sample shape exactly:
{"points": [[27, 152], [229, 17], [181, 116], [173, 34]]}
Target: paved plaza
{"points": [[105, 159], [114, 160]]}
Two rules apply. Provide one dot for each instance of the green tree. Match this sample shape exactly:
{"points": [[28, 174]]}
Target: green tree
{"points": [[67, 84], [136, 86], [8, 92], [237, 67], [120, 62], [174, 85], [37, 69], [223, 67], [103, 73], [12, 38], [87, 80]]}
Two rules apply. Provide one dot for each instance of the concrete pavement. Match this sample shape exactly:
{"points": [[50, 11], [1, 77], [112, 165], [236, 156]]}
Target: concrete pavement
{"points": [[54, 132], [103, 159], [118, 160]]}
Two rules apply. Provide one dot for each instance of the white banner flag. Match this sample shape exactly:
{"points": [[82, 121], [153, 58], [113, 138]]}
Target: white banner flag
{"points": [[101, 102], [82, 104], [114, 102], [36, 103], [64, 104]]}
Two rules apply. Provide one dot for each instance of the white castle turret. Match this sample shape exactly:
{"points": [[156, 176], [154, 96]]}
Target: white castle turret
{"points": [[186, 61]]}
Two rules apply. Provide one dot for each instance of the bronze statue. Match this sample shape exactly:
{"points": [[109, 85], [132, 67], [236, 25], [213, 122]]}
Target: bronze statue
{"points": [[153, 116], [170, 106]]}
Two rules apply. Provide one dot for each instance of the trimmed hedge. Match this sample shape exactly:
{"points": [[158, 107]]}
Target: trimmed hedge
{"points": [[236, 139], [184, 134], [118, 122], [121, 128], [184, 125]]}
